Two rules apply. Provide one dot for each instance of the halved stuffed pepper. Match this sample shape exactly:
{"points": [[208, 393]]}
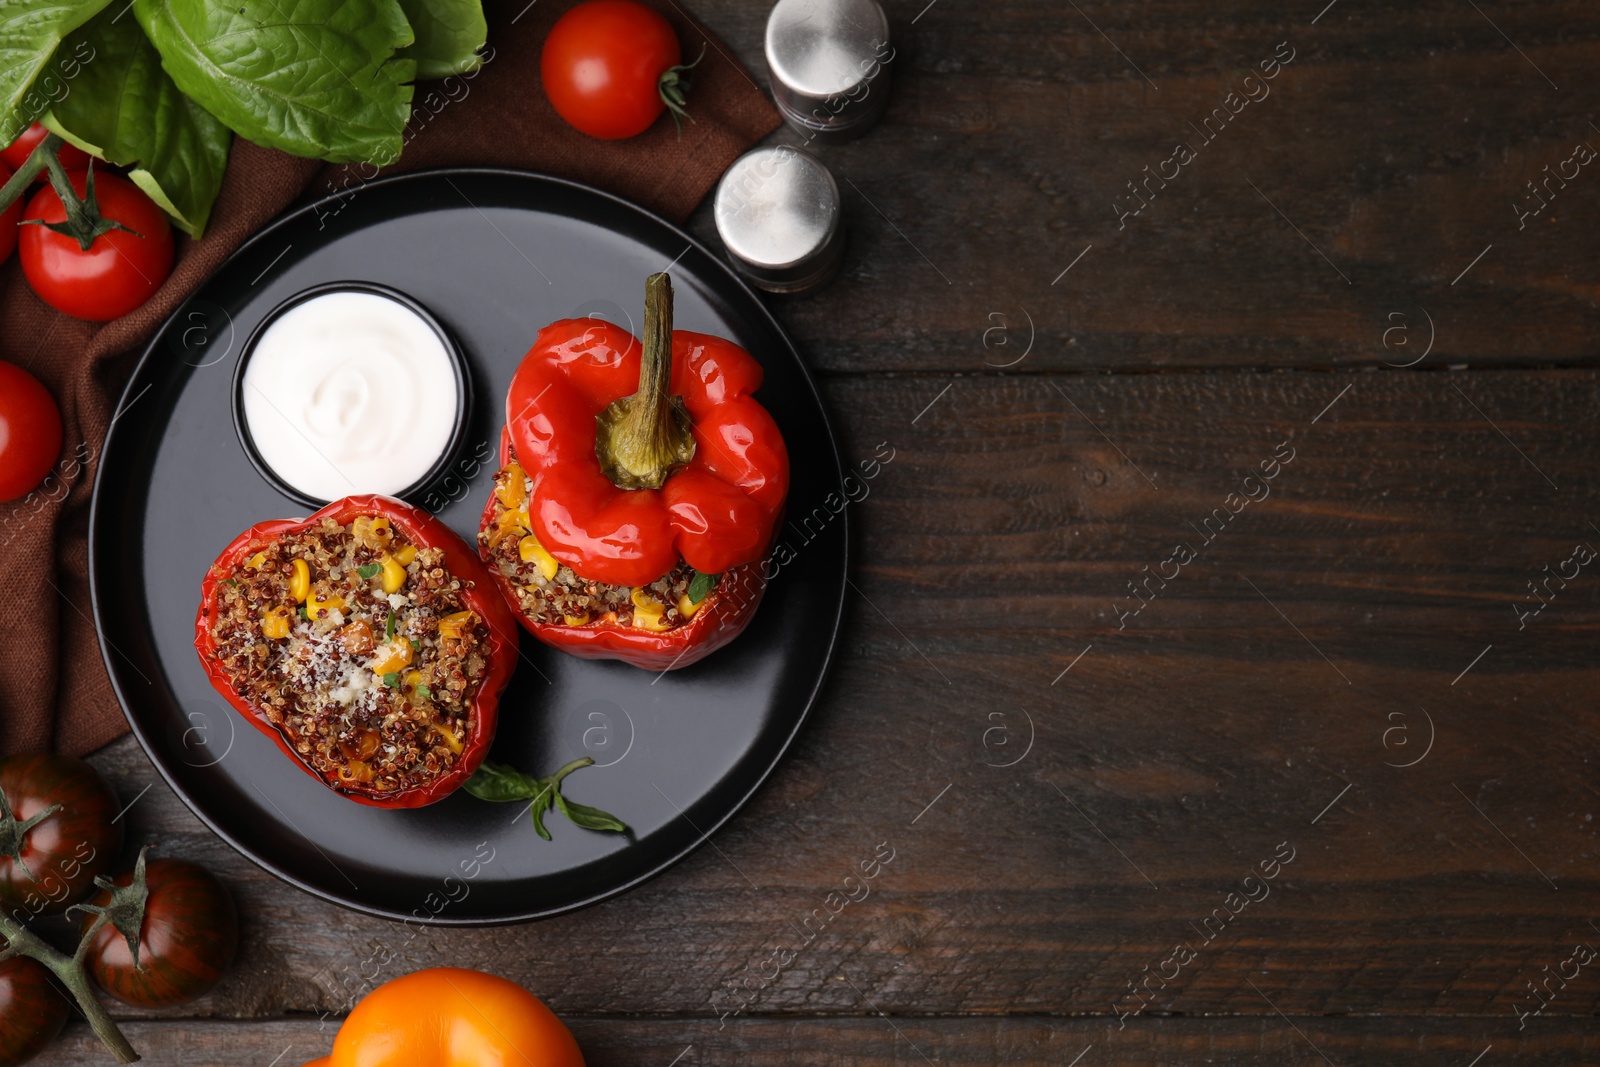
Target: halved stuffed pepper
{"points": [[368, 641], [640, 487]]}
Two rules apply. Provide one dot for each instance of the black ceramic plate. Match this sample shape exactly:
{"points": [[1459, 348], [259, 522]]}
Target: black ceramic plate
{"points": [[494, 255]]}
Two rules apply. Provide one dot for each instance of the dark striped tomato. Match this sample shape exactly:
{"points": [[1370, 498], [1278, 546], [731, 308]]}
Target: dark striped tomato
{"points": [[32, 1011], [188, 939], [53, 864]]}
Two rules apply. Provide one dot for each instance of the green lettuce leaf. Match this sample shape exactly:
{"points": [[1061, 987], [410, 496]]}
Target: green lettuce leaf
{"points": [[30, 32], [123, 108], [315, 78], [449, 35]]}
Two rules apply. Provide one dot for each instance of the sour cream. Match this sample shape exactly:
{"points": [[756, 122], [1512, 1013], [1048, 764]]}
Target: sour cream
{"points": [[350, 392]]}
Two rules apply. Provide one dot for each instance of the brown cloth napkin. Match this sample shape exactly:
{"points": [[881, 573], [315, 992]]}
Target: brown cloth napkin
{"points": [[54, 693]]}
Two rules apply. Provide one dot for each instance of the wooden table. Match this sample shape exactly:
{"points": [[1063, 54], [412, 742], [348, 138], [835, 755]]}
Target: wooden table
{"points": [[1340, 361]]}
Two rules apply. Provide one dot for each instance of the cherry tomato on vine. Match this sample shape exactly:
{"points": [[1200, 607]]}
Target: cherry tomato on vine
{"points": [[8, 220], [610, 67], [188, 938], [51, 864], [17, 154], [118, 272], [32, 1012]]}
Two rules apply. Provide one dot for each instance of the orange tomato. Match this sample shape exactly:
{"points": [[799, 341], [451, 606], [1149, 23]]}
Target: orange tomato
{"points": [[452, 1017]]}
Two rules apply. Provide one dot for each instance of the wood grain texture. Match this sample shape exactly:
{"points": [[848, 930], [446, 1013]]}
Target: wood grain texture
{"points": [[1075, 774], [878, 1042], [1386, 156], [1304, 650]]}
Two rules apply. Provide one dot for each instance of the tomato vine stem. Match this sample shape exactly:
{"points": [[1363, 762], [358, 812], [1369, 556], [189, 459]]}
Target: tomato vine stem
{"points": [[20, 941], [84, 222]]}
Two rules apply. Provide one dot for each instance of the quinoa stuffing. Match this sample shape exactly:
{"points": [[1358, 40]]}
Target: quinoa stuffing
{"points": [[360, 648], [549, 591]]}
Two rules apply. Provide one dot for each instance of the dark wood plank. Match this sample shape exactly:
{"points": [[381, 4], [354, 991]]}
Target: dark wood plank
{"points": [[1396, 143], [1178, 752], [878, 1042]]}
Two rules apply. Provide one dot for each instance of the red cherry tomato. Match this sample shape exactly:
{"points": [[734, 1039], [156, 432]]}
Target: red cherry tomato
{"points": [[188, 938], [120, 270], [15, 156], [8, 220], [603, 63], [32, 1013], [30, 441]]}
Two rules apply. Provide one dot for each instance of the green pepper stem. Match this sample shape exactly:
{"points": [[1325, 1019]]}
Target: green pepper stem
{"points": [[642, 439], [69, 970]]}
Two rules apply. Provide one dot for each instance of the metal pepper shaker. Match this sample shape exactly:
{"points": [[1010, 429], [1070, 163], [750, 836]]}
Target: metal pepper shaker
{"points": [[777, 210], [830, 65]]}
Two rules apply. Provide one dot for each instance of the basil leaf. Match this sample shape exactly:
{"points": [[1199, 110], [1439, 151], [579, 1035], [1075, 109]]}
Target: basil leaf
{"points": [[369, 570], [392, 680], [416, 646], [700, 587], [500, 783], [314, 78], [30, 31], [449, 34], [590, 818], [424, 692], [123, 108], [388, 627], [541, 804]]}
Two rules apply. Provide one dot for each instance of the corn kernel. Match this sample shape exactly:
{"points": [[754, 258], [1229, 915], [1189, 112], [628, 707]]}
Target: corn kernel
{"points": [[648, 611], [531, 551], [513, 491], [455, 626], [448, 738], [275, 623], [300, 581], [372, 532], [575, 620], [409, 682], [510, 524], [392, 657], [687, 607], [356, 771], [321, 609], [394, 575], [256, 561], [406, 555]]}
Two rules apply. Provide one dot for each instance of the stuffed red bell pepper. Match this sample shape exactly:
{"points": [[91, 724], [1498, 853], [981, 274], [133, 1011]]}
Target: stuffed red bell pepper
{"points": [[367, 641], [641, 485]]}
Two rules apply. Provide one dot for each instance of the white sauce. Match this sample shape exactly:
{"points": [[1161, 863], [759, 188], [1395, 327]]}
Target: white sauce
{"points": [[350, 393]]}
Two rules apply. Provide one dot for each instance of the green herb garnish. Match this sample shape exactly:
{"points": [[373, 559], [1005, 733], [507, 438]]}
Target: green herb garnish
{"points": [[416, 646], [303, 613], [424, 692], [392, 680], [369, 570], [503, 784], [388, 627], [700, 587]]}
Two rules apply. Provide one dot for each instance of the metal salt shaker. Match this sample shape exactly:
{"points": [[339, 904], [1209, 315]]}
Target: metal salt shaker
{"points": [[778, 211], [830, 65]]}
